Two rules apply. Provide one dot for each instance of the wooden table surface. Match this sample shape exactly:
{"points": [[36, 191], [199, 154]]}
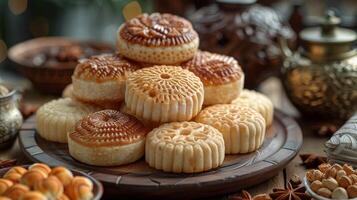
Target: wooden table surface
{"points": [[272, 88]]}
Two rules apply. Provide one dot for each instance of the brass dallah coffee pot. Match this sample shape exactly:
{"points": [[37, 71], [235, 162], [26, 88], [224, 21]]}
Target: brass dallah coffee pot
{"points": [[321, 77]]}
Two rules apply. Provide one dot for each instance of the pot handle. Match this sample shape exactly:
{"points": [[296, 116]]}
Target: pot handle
{"points": [[283, 44]]}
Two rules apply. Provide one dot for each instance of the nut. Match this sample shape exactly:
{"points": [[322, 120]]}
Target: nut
{"points": [[331, 172], [340, 173], [295, 180], [337, 166], [348, 169], [339, 193], [323, 167], [330, 183], [316, 185], [352, 191], [344, 181], [353, 177], [313, 175], [324, 192]]}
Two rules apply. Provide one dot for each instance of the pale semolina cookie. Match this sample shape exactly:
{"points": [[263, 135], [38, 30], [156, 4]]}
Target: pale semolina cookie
{"points": [[258, 102], [100, 80], [243, 128], [68, 91], [222, 77], [107, 138], [157, 38], [162, 94], [184, 147], [58, 117]]}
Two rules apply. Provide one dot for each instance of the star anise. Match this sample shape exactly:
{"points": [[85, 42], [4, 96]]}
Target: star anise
{"points": [[312, 160], [247, 196], [290, 193], [7, 163]]}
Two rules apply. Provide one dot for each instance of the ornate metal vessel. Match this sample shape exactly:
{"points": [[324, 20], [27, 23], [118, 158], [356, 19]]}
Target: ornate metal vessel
{"points": [[10, 119], [321, 77], [247, 31]]}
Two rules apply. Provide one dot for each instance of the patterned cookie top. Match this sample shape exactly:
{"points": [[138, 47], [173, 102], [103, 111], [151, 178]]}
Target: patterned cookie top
{"points": [[214, 68], [184, 133], [108, 128], [229, 115], [252, 99], [158, 30], [164, 84], [66, 106], [105, 67]]}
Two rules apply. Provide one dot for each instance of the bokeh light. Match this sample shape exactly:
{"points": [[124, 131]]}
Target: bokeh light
{"points": [[3, 51], [17, 6]]}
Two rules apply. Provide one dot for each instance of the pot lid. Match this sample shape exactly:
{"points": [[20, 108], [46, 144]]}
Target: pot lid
{"points": [[328, 32]]}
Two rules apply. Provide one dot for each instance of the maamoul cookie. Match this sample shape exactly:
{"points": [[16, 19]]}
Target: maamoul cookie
{"points": [[16, 191], [63, 174], [68, 91], [242, 127], [157, 38], [33, 195], [51, 187], [184, 147], [107, 138], [58, 117], [100, 80], [15, 174], [258, 102], [80, 188], [40, 167], [30, 178], [222, 77], [162, 94], [4, 185]]}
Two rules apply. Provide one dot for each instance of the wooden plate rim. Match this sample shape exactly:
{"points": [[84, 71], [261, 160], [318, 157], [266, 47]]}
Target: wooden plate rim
{"points": [[277, 161]]}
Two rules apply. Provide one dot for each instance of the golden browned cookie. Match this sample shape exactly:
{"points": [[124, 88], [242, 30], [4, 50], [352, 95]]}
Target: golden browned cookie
{"points": [[157, 38], [222, 77], [162, 94], [107, 138], [101, 79]]}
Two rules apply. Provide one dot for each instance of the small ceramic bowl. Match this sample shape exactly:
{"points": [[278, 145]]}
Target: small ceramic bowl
{"points": [[313, 194], [36, 60], [97, 186]]}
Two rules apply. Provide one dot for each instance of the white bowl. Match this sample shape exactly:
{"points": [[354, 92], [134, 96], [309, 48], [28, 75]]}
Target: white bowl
{"points": [[313, 194]]}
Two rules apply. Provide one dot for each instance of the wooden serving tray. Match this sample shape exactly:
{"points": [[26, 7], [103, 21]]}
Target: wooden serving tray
{"points": [[138, 180]]}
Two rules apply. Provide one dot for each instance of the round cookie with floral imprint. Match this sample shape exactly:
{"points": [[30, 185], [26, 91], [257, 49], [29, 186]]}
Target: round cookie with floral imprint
{"points": [[184, 147], [258, 102], [243, 128], [157, 38], [58, 117], [222, 77], [100, 80], [163, 94], [107, 138]]}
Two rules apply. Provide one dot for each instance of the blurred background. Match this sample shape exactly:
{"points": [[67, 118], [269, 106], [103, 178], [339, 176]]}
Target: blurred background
{"points": [[225, 26], [98, 20]]}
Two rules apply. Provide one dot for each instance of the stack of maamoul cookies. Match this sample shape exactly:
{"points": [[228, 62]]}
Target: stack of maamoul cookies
{"points": [[159, 96]]}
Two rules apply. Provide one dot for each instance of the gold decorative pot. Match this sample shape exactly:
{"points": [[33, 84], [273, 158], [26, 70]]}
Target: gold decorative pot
{"points": [[321, 77], [10, 119]]}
